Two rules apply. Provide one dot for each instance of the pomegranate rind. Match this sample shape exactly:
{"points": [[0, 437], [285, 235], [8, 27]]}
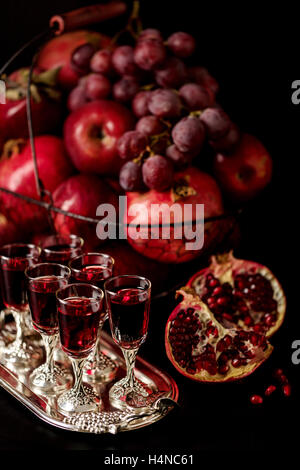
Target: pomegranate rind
{"points": [[225, 267], [191, 300]]}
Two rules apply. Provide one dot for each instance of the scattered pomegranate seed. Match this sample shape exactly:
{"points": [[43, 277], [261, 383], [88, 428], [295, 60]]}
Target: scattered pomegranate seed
{"points": [[270, 390], [278, 373], [283, 379], [287, 390], [256, 400]]}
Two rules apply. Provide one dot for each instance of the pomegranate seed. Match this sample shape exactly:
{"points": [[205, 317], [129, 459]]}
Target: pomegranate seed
{"points": [[222, 301], [211, 330], [213, 283], [257, 328], [240, 285], [269, 319], [243, 335], [221, 346], [243, 309], [256, 400], [223, 369], [213, 306], [249, 354], [254, 339], [248, 321], [278, 373], [217, 291], [270, 390], [283, 379], [286, 390], [236, 362], [227, 316]]}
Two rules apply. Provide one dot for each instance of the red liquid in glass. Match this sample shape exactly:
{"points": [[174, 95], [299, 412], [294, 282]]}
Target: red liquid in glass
{"points": [[42, 302], [92, 274], [79, 320], [129, 316], [13, 284], [60, 253]]}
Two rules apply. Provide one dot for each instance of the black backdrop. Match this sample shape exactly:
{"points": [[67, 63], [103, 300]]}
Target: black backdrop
{"points": [[253, 54]]}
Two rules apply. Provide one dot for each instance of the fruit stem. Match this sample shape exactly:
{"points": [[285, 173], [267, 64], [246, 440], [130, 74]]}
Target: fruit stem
{"points": [[134, 24]]}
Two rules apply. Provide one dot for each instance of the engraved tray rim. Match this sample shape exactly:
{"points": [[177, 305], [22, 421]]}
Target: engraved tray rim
{"points": [[38, 405]]}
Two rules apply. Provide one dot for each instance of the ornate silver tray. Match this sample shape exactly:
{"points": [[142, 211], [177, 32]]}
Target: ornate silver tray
{"points": [[163, 394]]}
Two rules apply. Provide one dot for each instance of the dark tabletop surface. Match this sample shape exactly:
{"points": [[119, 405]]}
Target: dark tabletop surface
{"points": [[244, 49]]}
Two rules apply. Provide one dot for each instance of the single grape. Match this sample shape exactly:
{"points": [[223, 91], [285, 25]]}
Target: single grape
{"points": [[195, 96], [97, 86], [150, 125], [201, 76], [140, 103], [181, 44], [101, 62], [125, 89], [179, 159], [130, 177], [229, 141], [149, 54], [216, 122], [150, 33], [122, 60], [76, 98], [164, 103], [188, 134], [171, 74], [131, 144], [158, 173], [81, 57]]}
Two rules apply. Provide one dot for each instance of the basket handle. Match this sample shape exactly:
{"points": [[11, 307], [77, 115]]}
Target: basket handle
{"points": [[87, 15]]}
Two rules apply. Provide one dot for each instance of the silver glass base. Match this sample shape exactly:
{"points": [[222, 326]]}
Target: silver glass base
{"points": [[99, 368], [52, 380], [79, 400], [22, 354], [124, 394]]}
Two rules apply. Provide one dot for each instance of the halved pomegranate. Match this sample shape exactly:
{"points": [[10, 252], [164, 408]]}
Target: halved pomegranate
{"points": [[204, 350], [242, 293]]}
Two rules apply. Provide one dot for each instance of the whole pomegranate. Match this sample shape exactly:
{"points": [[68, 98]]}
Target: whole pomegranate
{"points": [[46, 107], [17, 174], [57, 53], [191, 186], [203, 349], [81, 194], [242, 293], [128, 260]]}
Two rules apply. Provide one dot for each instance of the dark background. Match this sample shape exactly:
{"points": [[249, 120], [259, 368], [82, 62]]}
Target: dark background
{"points": [[253, 54]]}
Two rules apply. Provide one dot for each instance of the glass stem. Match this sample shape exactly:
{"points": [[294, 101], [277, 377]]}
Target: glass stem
{"points": [[19, 318], [50, 342], [78, 365], [130, 356], [97, 346]]}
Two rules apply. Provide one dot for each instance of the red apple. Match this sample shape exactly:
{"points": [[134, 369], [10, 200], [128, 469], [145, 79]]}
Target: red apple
{"points": [[81, 194], [246, 171], [58, 52], [91, 134]]}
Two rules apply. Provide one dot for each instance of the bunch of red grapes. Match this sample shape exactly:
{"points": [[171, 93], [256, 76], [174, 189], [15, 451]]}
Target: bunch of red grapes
{"points": [[175, 105]]}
